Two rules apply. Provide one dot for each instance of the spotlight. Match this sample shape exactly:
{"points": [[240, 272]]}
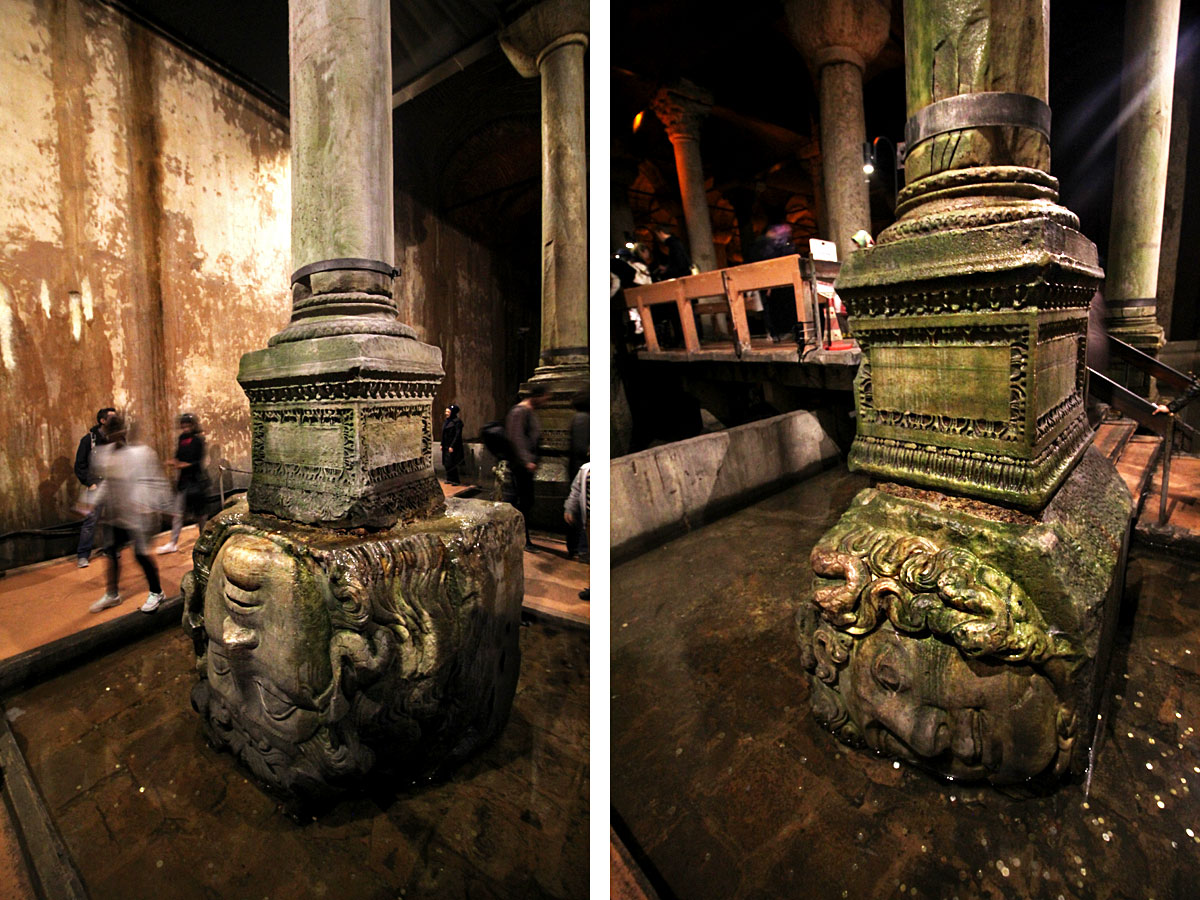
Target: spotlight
{"points": [[868, 154], [637, 121]]}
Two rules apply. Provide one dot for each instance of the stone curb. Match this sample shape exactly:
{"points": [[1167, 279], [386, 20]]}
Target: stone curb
{"points": [[49, 865]]}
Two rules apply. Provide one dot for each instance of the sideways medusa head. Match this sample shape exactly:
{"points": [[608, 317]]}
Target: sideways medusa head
{"points": [[934, 657], [319, 663]]}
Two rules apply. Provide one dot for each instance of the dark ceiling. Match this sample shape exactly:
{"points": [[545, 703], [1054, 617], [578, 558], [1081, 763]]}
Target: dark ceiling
{"points": [[249, 40]]}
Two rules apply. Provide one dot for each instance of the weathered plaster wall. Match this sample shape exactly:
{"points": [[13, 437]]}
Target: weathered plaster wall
{"points": [[468, 225], [453, 290], [144, 227]]}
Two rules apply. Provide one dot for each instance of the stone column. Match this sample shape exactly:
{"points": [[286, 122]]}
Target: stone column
{"points": [[681, 109], [1140, 182], [340, 401], [550, 42], [982, 573], [839, 38], [345, 617]]}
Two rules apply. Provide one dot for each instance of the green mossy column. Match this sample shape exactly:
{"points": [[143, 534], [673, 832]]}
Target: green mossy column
{"points": [[961, 611], [1140, 181], [346, 621], [549, 42]]}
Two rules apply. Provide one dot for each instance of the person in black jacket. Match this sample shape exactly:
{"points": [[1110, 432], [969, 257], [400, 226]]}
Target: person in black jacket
{"points": [[191, 487], [452, 443], [83, 471]]}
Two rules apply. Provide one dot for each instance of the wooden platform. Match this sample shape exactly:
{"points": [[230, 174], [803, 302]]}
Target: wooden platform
{"points": [[762, 350]]}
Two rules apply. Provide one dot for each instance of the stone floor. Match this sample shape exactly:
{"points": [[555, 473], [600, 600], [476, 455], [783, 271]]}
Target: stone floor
{"points": [[724, 786], [148, 810]]}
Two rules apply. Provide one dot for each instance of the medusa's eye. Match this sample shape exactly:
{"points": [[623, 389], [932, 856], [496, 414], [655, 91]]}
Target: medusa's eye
{"points": [[888, 670]]}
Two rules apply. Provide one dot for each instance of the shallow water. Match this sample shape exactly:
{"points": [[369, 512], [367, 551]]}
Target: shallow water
{"points": [[726, 784], [147, 809]]}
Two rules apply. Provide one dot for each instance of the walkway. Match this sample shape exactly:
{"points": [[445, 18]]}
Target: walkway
{"points": [[46, 604]]}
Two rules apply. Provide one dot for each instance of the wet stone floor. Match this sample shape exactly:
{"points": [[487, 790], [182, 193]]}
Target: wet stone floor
{"points": [[727, 787], [148, 810]]}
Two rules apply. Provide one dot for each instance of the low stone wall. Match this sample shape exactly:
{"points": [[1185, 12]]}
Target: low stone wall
{"points": [[665, 491]]}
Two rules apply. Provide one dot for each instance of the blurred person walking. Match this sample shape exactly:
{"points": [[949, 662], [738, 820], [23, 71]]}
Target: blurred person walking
{"points": [[576, 512], [524, 432], [133, 495], [91, 486], [191, 485], [578, 450]]}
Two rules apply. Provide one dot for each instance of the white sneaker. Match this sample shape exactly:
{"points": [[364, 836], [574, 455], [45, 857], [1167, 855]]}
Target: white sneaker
{"points": [[104, 603], [152, 602], [169, 547], [83, 562]]}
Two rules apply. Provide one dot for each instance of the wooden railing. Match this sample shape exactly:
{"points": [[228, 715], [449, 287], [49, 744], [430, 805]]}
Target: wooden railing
{"points": [[725, 290]]}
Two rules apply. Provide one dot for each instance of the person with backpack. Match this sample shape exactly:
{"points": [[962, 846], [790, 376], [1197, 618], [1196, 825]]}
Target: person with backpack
{"points": [[87, 501]]}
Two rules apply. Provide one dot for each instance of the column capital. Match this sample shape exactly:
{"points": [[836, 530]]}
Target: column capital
{"points": [[838, 31], [540, 31], [681, 107]]}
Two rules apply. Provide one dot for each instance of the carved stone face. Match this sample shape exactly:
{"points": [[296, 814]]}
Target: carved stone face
{"points": [[919, 699], [268, 638]]}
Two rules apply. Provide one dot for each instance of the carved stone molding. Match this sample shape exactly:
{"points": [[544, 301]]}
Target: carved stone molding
{"points": [[681, 108]]}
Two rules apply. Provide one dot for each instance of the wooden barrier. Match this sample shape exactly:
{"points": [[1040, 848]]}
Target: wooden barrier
{"points": [[731, 286]]}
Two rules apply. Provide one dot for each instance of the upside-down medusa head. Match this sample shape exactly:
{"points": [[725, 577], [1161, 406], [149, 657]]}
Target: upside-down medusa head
{"points": [[935, 657]]}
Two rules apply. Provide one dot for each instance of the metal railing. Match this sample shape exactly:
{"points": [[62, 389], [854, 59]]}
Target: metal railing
{"points": [[221, 470], [1167, 426]]}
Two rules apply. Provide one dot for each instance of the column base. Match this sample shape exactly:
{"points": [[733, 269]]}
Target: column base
{"points": [[552, 482], [968, 639], [328, 660], [341, 429]]}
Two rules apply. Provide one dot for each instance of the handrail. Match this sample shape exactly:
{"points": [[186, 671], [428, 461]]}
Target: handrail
{"points": [[1143, 412], [1148, 364], [221, 470], [731, 285]]}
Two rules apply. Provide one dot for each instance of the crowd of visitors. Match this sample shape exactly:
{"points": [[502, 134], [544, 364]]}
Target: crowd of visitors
{"points": [[125, 492]]}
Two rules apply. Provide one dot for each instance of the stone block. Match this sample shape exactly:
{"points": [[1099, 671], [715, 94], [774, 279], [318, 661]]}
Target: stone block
{"points": [[969, 639], [328, 656], [341, 429], [667, 490], [974, 366]]}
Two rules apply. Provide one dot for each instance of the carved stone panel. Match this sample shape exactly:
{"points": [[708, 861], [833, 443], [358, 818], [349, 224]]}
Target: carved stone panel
{"points": [[964, 638], [974, 370], [341, 429]]}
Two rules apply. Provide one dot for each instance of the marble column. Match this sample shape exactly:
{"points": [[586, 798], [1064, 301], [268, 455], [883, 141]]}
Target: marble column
{"points": [[1140, 182], [348, 622], [340, 401], [681, 109], [550, 42], [962, 611], [839, 38]]}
